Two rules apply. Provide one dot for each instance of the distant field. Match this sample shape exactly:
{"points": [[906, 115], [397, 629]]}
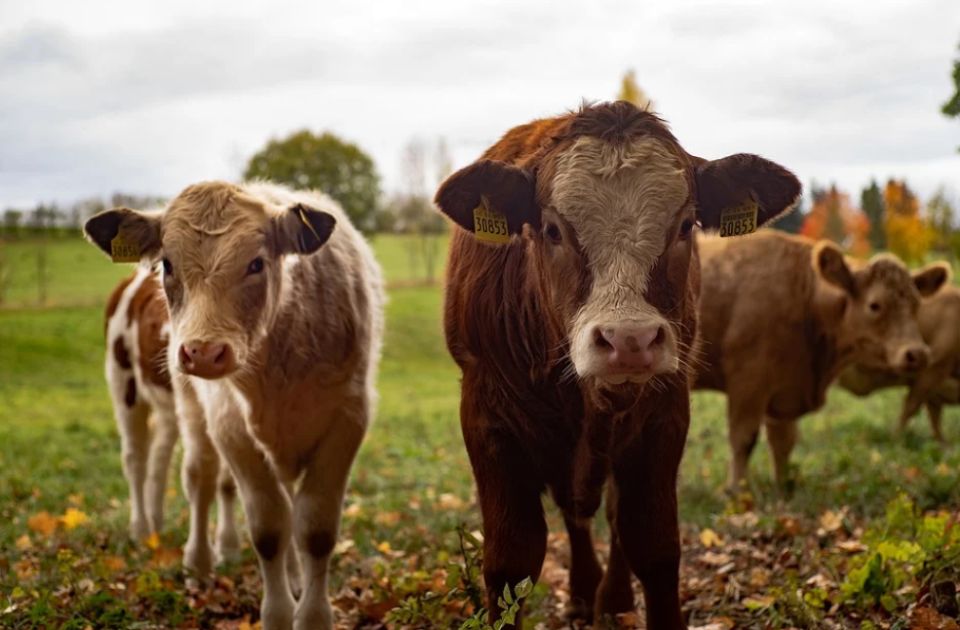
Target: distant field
{"points": [[79, 275], [411, 486]]}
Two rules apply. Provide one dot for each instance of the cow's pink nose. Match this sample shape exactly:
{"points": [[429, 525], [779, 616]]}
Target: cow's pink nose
{"points": [[207, 360], [913, 358], [630, 348]]}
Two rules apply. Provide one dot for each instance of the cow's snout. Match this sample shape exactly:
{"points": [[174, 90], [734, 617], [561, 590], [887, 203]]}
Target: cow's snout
{"points": [[206, 359], [629, 347], [913, 358]]}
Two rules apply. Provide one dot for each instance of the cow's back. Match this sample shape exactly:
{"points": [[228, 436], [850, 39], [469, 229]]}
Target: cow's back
{"points": [[758, 319]]}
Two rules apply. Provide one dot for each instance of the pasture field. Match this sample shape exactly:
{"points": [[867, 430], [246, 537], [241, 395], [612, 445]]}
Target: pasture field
{"points": [[866, 540]]}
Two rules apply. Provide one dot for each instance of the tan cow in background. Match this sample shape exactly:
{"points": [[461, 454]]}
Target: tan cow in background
{"points": [[276, 309], [939, 382], [781, 316]]}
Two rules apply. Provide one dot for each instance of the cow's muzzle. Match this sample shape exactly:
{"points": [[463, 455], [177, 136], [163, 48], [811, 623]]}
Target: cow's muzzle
{"points": [[206, 359]]}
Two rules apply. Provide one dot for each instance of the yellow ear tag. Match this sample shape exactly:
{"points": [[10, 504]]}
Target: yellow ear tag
{"points": [[489, 225], [122, 250], [739, 219]]}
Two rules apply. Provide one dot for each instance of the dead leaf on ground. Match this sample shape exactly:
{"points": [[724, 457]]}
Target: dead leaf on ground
{"points": [[42, 523]]}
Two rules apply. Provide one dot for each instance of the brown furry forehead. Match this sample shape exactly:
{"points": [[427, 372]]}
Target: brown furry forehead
{"points": [[212, 208], [616, 122], [888, 272]]}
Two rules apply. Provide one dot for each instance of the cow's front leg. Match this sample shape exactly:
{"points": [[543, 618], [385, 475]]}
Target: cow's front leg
{"points": [[935, 413], [585, 571], [615, 592], [162, 441], [922, 390], [744, 417], [514, 530], [911, 405], [267, 507], [782, 437], [646, 512], [198, 475], [228, 540], [316, 521]]}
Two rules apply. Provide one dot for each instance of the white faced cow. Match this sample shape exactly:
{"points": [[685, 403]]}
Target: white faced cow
{"points": [[276, 305]]}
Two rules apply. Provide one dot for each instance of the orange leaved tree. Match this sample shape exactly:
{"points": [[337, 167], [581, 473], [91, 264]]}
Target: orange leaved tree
{"points": [[908, 235]]}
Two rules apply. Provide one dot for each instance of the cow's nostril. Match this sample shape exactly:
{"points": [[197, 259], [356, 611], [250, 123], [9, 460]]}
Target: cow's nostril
{"points": [[660, 338], [184, 355], [911, 358], [600, 340]]}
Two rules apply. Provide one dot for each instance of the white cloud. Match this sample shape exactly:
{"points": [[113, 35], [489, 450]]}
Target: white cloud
{"points": [[148, 97]]}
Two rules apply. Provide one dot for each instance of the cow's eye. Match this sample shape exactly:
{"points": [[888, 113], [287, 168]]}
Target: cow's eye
{"points": [[552, 231], [686, 228], [874, 307], [255, 266], [167, 267]]}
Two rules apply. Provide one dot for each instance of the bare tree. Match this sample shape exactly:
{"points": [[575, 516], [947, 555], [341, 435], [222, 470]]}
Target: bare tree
{"points": [[413, 209]]}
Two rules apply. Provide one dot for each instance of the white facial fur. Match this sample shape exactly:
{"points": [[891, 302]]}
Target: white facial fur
{"points": [[620, 200]]}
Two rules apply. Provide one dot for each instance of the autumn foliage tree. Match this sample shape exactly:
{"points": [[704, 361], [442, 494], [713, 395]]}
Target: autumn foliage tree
{"points": [[832, 216], [908, 235], [630, 91]]}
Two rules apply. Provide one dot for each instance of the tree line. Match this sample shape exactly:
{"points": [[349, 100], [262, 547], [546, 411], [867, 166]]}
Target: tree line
{"points": [[891, 217]]}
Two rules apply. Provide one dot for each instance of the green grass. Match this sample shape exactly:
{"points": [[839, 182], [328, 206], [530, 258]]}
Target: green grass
{"points": [[411, 485], [76, 272]]}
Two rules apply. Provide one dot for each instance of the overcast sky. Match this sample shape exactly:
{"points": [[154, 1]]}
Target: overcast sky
{"points": [[148, 97]]}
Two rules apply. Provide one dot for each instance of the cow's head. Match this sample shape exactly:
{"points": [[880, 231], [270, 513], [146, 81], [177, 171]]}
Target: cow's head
{"points": [[222, 253], [879, 306], [606, 209]]}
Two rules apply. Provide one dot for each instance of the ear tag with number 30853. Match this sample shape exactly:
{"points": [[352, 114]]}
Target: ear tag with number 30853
{"points": [[739, 219], [123, 250], [489, 225]]}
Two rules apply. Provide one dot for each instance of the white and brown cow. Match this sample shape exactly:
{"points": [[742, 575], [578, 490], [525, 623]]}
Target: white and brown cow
{"points": [[150, 417], [276, 306]]}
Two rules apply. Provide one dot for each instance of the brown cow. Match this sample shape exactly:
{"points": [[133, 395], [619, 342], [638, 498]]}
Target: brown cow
{"points": [[781, 316], [576, 331], [939, 382]]}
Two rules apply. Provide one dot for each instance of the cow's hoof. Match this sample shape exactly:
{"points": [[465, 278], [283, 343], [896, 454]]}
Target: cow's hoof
{"points": [[578, 609], [198, 558], [139, 530]]}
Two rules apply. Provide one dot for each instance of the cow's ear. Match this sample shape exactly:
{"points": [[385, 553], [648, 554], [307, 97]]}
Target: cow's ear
{"points": [[830, 265], [302, 229], [125, 235], [741, 181], [491, 199], [929, 279]]}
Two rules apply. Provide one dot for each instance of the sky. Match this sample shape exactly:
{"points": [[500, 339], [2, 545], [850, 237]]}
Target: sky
{"points": [[146, 98]]}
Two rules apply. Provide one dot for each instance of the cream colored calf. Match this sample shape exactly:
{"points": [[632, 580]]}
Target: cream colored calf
{"points": [[276, 311]]}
